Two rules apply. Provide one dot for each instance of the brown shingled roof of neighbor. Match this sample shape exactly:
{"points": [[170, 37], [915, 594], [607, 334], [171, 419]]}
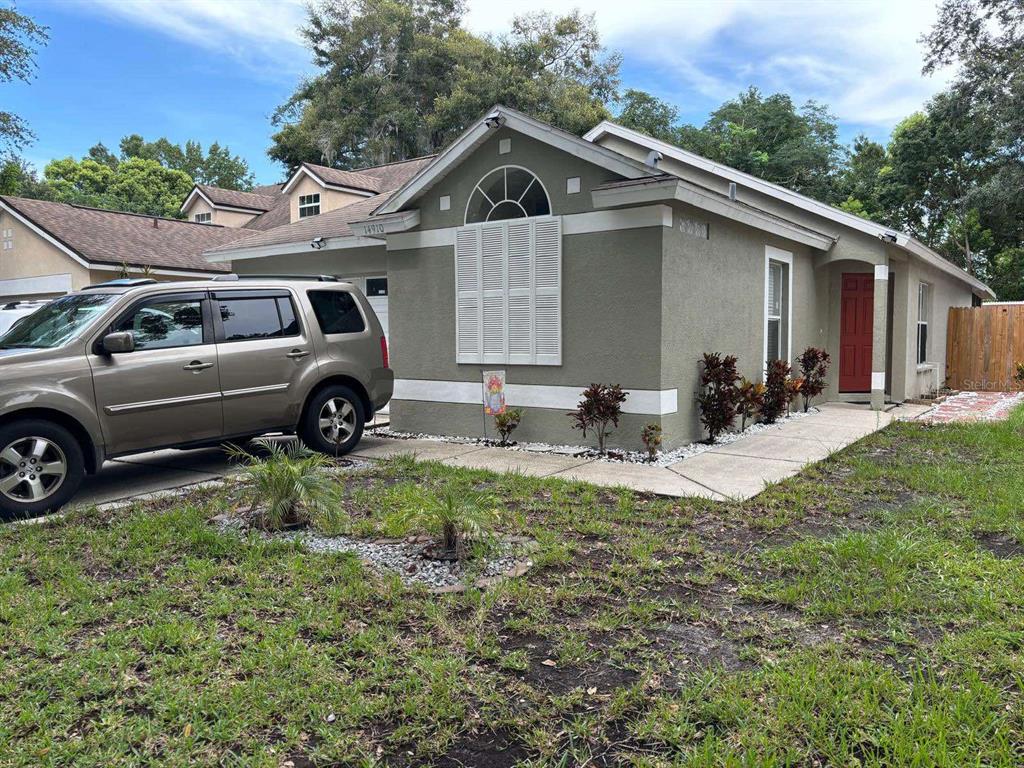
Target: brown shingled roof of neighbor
{"points": [[275, 224], [235, 199], [337, 177], [330, 224], [111, 237]]}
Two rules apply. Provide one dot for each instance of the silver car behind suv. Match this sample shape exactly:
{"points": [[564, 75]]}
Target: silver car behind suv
{"points": [[135, 365]]}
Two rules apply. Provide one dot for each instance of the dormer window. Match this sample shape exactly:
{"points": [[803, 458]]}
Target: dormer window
{"points": [[309, 205], [203, 218]]}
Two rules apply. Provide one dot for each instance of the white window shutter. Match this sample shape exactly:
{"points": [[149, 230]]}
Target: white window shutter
{"points": [[520, 292], [508, 278], [468, 306], [548, 291], [492, 254]]}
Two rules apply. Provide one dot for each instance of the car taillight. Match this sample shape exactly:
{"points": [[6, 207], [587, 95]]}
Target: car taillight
{"points": [[384, 350]]}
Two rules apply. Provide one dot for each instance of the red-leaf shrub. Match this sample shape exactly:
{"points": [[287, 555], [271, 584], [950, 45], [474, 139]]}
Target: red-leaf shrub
{"points": [[750, 398], [814, 364], [793, 389], [776, 396], [650, 436], [601, 405], [718, 393]]}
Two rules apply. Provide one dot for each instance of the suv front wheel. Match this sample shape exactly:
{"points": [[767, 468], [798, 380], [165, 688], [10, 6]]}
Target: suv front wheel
{"points": [[41, 467], [334, 421]]}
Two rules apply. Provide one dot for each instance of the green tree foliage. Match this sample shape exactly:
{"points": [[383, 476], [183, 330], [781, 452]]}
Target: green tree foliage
{"points": [[648, 114], [135, 185], [20, 36], [401, 78], [217, 167], [19, 179]]}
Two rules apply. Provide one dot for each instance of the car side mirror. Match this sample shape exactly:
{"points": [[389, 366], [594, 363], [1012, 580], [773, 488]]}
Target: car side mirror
{"points": [[119, 343]]}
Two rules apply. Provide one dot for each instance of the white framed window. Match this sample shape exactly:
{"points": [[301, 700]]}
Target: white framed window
{"points": [[508, 287], [778, 310], [309, 205], [203, 218], [924, 318]]}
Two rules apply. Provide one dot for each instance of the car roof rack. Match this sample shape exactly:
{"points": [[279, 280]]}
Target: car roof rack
{"points": [[231, 278], [123, 282]]}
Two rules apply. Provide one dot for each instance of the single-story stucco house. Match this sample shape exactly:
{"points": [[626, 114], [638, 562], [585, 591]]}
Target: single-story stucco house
{"points": [[620, 259]]}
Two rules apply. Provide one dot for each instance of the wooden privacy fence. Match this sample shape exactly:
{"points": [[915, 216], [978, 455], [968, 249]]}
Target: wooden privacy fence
{"points": [[983, 346]]}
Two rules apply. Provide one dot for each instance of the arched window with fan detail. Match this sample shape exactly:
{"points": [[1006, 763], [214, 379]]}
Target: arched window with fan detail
{"points": [[509, 192]]}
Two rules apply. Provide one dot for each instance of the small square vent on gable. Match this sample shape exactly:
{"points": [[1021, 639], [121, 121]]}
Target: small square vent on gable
{"points": [[504, 146]]}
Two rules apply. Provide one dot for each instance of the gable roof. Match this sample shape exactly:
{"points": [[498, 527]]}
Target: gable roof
{"points": [[479, 132], [335, 178], [230, 199], [94, 236], [329, 225], [797, 200], [277, 229]]}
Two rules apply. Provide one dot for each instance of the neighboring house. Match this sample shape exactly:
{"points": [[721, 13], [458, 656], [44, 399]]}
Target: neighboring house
{"points": [[620, 259], [48, 249], [320, 202]]}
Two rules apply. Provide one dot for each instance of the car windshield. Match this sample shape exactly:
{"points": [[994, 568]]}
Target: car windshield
{"points": [[57, 323]]}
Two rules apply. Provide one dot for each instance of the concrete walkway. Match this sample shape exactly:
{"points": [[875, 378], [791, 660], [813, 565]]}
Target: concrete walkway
{"points": [[738, 470]]}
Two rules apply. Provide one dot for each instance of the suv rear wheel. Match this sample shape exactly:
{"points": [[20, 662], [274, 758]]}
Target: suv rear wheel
{"points": [[41, 467], [334, 421]]}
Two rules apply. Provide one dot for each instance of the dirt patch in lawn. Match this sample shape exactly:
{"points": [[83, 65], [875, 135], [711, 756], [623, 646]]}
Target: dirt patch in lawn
{"points": [[493, 749], [1001, 545]]}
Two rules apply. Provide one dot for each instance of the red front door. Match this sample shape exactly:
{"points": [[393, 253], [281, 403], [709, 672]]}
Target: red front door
{"points": [[857, 311]]}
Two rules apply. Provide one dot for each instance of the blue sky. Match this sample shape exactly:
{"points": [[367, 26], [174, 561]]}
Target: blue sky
{"points": [[214, 70]]}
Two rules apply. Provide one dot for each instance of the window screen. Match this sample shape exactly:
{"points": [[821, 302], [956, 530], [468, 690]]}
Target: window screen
{"points": [[336, 312], [776, 311], [924, 312]]}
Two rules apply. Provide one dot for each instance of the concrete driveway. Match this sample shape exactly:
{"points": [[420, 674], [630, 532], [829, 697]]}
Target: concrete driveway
{"points": [[149, 472]]}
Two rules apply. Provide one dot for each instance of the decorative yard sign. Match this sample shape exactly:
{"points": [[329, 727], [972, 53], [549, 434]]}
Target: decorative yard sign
{"points": [[494, 392]]}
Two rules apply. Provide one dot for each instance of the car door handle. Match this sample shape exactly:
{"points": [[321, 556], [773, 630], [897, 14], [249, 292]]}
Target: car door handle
{"points": [[198, 365], [297, 354]]}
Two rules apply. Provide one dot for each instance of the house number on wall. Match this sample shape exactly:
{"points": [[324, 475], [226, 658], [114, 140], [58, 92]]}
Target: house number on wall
{"points": [[694, 228], [374, 229]]}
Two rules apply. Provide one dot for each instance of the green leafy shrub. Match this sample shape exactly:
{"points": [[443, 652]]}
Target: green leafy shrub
{"points": [[601, 405], [507, 422], [750, 398], [718, 393], [650, 436], [814, 363], [776, 394], [455, 517], [288, 486]]}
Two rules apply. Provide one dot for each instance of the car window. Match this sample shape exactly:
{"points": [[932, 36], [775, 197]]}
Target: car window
{"points": [[58, 322], [336, 312], [162, 324], [257, 318]]}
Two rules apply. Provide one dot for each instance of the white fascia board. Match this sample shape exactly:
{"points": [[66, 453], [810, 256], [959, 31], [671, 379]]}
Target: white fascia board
{"points": [[380, 227], [927, 255], [292, 248], [676, 189], [302, 171], [196, 191], [527, 126], [803, 202], [45, 235], [350, 190]]}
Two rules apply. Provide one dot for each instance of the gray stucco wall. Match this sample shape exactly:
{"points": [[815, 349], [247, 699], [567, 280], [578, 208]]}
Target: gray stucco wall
{"points": [[347, 262], [714, 301]]}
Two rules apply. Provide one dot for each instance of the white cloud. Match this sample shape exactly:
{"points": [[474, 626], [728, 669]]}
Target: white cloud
{"points": [[861, 58], [263, 36]]}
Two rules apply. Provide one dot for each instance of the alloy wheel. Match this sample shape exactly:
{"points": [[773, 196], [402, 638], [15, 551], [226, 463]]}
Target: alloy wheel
{"points": [[337, 420], [31, 469]]}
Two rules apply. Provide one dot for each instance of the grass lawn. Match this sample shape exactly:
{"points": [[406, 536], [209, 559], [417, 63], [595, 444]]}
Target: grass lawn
{"points": [[868, 612]]}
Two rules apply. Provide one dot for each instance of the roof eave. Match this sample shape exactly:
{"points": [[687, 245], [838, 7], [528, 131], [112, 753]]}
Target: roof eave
{"points": [[290, 248], [677, 190]]}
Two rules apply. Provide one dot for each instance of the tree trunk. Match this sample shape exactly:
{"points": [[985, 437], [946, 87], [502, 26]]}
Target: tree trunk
{"points": [[451, 537]]}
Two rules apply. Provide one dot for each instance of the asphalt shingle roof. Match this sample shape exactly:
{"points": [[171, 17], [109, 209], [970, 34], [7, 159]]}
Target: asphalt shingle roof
{"points": [[111, 237], [232, 197]]}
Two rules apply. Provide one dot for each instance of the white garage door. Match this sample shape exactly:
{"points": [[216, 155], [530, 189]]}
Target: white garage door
{"points": [[376, 290]]}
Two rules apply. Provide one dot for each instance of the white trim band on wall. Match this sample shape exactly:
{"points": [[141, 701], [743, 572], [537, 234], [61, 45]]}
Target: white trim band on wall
{"points": [[877, 381], [648, 402]]}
